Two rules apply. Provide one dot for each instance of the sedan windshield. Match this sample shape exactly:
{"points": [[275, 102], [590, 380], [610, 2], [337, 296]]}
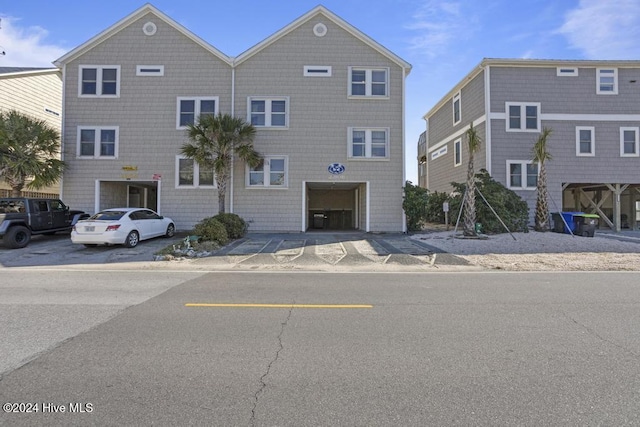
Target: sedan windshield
{"points": [[108, 216]]}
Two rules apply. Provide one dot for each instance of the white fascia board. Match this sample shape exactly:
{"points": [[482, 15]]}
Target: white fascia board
{"points": [[576, 117], [456, 135]]}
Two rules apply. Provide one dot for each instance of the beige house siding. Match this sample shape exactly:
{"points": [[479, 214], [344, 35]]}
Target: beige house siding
{"points": [[145, 113], [38, 94], [320, 114]]}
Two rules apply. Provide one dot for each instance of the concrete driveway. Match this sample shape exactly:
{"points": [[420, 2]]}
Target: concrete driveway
{"points": [[278, 251]]}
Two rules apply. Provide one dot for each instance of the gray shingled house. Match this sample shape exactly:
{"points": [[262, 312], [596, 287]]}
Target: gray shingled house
{"points": [[593, 108], [327, 100]]}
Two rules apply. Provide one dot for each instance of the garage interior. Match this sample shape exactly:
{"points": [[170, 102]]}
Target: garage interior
{"points": [[334, 206], [131, 194]]}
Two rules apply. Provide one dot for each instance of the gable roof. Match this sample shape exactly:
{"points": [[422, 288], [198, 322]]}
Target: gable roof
{"points": [[321, 10], [118, 26]]}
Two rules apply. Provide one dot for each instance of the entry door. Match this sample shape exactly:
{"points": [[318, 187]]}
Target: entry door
{"points": [[136, 197]]}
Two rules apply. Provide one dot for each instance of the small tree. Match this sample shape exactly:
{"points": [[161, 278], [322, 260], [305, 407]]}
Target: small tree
{"points": [[540, 156], [29, 150], [469, 221], [213, 142]]}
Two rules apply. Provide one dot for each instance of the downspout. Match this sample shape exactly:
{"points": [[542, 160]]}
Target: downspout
{"points": [[487, 109], [233, 113], [404, 129], [62, 126]]}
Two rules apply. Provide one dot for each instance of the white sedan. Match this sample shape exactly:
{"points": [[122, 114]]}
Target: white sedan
{"points": [[122, 226]]}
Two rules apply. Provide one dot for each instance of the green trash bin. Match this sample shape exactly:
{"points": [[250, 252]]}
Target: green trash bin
{"points": [[586, 224]]}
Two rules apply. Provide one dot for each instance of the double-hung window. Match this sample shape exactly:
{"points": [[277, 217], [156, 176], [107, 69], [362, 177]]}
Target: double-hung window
{"points": [[522, 175], [457, 115], [369, 143], [97, 142], [607, 81], [585, 141], [270, 172], [99, 81], [190, 174], [629, 142], [269, 112], [522, 117], [190, 109], [369, 82], [457, 152]]}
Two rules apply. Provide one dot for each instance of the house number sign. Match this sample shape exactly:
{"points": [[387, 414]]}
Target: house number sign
{"points": [[336, 168]]}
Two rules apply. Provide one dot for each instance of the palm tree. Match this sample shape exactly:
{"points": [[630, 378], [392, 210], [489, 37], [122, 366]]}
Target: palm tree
{"points": [[540, 156], [469, 223], [213, 142], [29, 150]]}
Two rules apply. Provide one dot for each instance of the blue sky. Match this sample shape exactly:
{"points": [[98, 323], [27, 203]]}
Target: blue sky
{"points": [[443, 40]]}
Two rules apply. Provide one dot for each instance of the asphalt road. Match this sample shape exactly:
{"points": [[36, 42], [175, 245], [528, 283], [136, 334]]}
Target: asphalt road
{"points": [[489, 348]]}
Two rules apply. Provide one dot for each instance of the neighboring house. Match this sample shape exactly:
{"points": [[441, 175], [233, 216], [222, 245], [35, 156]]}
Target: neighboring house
{"points": [[593, 108], [327, 101], [36, 92]]}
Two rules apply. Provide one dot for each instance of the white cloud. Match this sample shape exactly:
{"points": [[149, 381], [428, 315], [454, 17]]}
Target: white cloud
{"points": [[26, 47], [438, 25], [604, 29]]}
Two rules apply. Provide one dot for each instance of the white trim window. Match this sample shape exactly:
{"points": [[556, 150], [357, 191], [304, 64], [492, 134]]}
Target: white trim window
{"points": [[629, 146], [439, 153], [189, 109], [317, 71], [99, 81], [566, 71], [370, 143], [189, 174], [585, 141], [368, 82], [522, 175], [268, 112], [457, 152], [523, 116], [98, 142], [607, 81], [150, 70], [270, 172], [457, 112]]}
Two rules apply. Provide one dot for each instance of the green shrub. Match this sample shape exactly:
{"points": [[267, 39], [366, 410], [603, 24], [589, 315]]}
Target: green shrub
{"points": [[210, 229], [236, 227], [513, 211], [414, 205], [434, 212]]}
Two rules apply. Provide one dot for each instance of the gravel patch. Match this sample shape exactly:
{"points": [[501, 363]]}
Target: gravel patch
{"points": [[536, 251]]}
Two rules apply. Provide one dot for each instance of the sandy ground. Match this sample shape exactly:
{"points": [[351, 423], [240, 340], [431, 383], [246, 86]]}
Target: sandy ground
{"points": [[536, 251]]}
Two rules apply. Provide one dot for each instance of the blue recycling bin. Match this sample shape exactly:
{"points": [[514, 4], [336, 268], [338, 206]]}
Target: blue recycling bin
{"points": [[569, 219]]}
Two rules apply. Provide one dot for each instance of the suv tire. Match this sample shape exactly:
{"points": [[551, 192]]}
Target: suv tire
{"points": [[17, 237]]}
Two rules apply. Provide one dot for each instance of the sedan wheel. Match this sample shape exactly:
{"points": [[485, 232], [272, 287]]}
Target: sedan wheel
{"points": [[171, 230], [132, 239]]}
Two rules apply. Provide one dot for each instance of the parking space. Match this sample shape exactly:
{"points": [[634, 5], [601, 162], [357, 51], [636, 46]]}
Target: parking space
{"points": [[58, 250], [326, 251]]}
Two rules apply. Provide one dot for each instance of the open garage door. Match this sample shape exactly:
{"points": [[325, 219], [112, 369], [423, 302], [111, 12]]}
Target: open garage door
{"points": [[332, 206], [134, 194]]}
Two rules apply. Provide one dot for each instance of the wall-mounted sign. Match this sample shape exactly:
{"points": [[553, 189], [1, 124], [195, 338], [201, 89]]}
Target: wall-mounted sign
{"points": [[336, 168], [129, 168], [157, 177]]}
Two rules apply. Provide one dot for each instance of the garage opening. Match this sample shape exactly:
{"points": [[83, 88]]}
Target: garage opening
{"points": [[332, 206], [129, 194]]}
